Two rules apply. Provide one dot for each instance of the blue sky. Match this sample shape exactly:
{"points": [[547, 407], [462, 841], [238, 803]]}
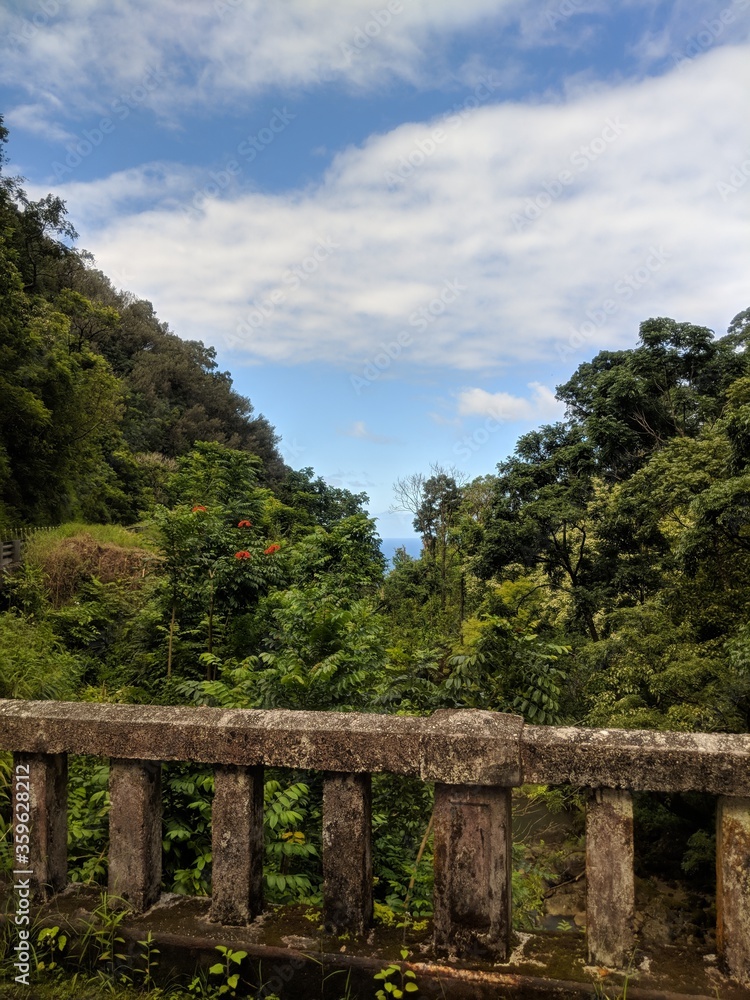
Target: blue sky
{"points": [[401, 224]]}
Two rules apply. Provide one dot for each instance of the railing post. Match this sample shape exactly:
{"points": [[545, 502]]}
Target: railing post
{"points": [[40, 803], [472, 851], [237, 844], [135, 835], [733, 885], [610, 884], [15, 551], [347, 853]]}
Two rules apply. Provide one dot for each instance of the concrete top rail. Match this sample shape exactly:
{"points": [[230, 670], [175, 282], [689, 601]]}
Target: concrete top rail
{"points": [[450, 746], [454, 747], [637, 759]]}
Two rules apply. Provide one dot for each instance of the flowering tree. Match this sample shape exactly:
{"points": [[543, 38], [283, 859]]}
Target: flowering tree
{"points": [[216, 553]]}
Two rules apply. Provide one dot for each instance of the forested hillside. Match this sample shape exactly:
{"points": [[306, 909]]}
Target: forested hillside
{"points": [[600, 575], [97, 396]]}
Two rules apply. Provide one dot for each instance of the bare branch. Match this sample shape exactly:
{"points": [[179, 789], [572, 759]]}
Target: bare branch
{"points": [[409, 493]]}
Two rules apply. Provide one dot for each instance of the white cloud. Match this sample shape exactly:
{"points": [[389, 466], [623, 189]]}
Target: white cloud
{"points": [[83, 56], [360, 430], [542, 407], [548, 268], [348, 479], [222, 52], [35, 118], [692, 28]]}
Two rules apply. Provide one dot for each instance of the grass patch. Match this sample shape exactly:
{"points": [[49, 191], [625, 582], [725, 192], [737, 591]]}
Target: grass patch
{"points": [[112, 534], [73, 554]]}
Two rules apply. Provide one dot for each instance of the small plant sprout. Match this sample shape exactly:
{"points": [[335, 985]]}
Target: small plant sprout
{"points": [[51, 941], [225, 969], [149, 961], [396, 980]]}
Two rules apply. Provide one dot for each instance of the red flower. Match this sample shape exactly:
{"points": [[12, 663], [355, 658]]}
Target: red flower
{"points": [[242, 555], [271, 549], [245, 524], [199, 509]]}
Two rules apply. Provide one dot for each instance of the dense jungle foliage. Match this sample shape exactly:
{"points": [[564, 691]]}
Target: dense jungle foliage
{"points": [[600, 576]]}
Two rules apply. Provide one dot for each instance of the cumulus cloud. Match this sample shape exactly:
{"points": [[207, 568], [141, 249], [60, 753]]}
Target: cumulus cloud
{"points": [[542, 407], [558, 226]]}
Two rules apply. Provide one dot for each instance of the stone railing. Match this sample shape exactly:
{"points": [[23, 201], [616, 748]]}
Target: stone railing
{"points": [[475, 758], [10, 553]]}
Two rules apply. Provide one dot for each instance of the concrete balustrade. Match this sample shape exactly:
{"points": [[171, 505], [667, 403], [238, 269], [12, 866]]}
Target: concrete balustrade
{"points": [[610, 885], [347, 853], [135, 832], [475, 759], [42, 791], [472, 851], [733, 885], [237, 844]]}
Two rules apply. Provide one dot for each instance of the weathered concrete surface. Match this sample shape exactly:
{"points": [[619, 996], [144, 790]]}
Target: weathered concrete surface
{"points": [[347, 853], [458, 747], [610, 886], [472, 856], [733, 885], [237, 844], [641, 760], [40, 790], [290, 956], [135, 833], [453, 747]]}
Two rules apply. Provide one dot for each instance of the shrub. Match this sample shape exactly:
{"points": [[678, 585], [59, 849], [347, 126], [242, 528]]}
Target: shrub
{"points": [[33, 663]]}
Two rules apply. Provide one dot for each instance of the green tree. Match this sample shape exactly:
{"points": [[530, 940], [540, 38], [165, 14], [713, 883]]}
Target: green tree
{"points": [[315, 501], [57, 409], [541, 518], [632, 402]]}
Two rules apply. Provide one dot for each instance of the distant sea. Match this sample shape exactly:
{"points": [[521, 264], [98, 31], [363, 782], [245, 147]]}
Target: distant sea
{"points": [[388, 546]]}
